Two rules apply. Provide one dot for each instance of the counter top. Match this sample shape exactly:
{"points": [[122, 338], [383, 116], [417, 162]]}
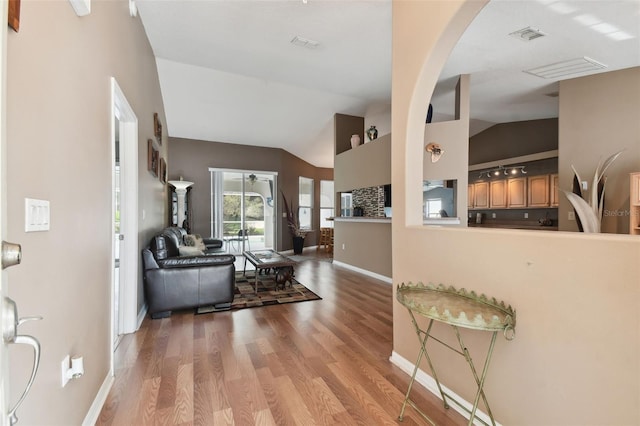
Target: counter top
{"points": [[361, 219], [513, 226]]}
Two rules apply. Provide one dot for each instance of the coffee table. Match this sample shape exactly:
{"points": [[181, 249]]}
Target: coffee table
{"points": [[265, 259]]}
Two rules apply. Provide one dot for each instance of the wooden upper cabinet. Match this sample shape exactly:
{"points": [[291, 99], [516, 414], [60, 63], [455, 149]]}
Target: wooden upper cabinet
{"points": [[498, 194], [481, 195], [517, 192], [471, 195], [539, 191], [554, 185]]}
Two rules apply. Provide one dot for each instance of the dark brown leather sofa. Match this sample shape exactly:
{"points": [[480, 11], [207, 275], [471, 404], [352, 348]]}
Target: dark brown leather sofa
{"points": [[174, 282]]}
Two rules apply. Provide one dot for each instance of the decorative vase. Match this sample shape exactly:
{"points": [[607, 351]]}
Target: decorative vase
{"points": [[298, 243], [355, 140], [372, 133]]}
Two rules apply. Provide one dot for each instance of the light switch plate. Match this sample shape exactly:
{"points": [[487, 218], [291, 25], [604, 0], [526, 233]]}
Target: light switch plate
{"points": [[36, 215]]}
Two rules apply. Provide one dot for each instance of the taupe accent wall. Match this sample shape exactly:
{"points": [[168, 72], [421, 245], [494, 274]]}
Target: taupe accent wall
{"points": [[510, 140], [192, 159], [59, 68]]}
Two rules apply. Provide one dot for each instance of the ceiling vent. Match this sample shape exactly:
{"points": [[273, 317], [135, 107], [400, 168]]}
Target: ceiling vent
{"points": [[565, 68], [305, 42], [527, 34]]}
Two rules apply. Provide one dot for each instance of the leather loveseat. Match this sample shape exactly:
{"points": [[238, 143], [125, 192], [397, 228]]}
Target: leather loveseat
{"points": [[173, 282]]}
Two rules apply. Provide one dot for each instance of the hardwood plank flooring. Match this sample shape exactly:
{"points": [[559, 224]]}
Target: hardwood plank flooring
{"points": [[323, 362]]}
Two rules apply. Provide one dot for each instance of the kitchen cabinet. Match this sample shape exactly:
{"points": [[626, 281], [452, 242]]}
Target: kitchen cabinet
{"points": [[634, 204], [471, 194], [538, 193], [517, 192], [498, 194], [554, 185], [481, 195]]}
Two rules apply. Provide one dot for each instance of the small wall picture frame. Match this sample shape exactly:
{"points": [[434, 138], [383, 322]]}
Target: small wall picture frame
{"points": [[153, 157], [157, 128], [163, 171]]}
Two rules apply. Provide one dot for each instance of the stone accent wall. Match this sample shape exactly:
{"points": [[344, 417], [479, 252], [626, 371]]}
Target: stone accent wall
{"points": [[370, 199]]}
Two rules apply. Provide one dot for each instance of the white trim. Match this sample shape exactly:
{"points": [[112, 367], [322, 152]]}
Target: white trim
{"points": [[218, 169], [429, 383], [141, 315], [380, 277], [96, 407]]}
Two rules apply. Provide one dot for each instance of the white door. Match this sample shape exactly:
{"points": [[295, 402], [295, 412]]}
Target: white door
{"points": [[125, 216], [118, 237]]}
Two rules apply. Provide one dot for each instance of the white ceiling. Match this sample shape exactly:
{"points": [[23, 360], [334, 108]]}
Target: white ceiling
{"points": [[229, 73]]}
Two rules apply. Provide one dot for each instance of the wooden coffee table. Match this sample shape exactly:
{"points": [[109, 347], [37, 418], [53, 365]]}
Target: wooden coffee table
{"points": [[265, 259]]}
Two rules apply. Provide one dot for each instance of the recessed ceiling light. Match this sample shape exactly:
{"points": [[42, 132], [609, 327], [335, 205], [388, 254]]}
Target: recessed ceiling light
{"points": [[527, 34], [562, 69], [305, 42]]}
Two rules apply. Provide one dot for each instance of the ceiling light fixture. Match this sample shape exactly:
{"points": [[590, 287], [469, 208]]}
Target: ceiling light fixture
{"points": [[305, 42], [565, 68], [527, 34], [503, 170]]}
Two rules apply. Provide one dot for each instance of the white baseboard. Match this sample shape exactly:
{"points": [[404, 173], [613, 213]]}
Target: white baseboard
{"points": [[141, 315], [94, 411], [430, 384], [380, 277]]}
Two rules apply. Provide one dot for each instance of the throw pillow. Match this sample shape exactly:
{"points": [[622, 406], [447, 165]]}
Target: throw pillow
{"points": [[194, 240], [189, 251]]}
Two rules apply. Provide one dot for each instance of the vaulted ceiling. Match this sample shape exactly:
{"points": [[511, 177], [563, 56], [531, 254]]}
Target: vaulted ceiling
{"points": [[229, 71]]}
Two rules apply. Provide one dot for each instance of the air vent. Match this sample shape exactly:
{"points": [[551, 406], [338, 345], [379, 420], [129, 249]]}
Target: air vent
{"points": [[305, 42], [527, 34], [565, 68], [553, 94]]}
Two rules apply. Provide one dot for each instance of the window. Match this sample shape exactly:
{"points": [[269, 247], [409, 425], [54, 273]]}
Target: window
{"points": [[432, 208], [327, 198], [305, 202]]}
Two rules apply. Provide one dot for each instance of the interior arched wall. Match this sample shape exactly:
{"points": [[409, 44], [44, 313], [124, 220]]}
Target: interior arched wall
{"points": [[575, 359]]}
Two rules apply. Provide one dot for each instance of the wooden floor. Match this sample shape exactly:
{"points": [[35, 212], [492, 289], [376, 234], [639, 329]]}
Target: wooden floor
{"points": [[320, 362]]}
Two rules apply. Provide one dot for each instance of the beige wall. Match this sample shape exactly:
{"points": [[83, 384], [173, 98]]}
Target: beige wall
{"points": [[575, 359], [364, 166], [598, 117], [453, 138], [364, 245], [192, 159], [59, 149]]}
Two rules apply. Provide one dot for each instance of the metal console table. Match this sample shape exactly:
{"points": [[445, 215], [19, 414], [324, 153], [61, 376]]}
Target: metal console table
{"points": [[457, 308]]}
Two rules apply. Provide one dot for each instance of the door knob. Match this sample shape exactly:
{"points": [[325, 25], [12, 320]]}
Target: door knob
{"points": [[11, 254]]}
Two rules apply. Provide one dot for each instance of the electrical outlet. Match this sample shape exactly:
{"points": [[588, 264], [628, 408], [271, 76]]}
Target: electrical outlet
{"points": [[585, 185], [343, 246], [493, 215], [526, 215], [572, 216]]}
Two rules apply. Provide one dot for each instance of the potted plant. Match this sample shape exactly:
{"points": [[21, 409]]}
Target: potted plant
{"points": [[293, 223]]}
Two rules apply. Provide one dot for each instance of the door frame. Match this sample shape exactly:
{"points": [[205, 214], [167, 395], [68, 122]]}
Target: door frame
{"points": [[4, 352], [215, 194], [128, 137]]}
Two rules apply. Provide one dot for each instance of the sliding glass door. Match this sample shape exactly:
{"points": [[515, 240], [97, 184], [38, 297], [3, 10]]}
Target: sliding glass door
{"points": [[243, 209]]}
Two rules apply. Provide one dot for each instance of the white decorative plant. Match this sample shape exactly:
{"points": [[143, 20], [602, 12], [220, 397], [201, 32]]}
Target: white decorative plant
{"points": [[590, 212]]}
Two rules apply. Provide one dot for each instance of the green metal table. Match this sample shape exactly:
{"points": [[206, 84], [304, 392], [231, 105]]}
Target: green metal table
{"points": [[457, 308]]}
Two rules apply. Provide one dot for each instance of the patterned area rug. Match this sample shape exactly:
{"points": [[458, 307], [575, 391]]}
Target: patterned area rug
{"points": [[245, 296]]}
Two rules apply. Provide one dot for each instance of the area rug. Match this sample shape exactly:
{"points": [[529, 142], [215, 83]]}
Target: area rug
{"points": [[245, 296]]}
